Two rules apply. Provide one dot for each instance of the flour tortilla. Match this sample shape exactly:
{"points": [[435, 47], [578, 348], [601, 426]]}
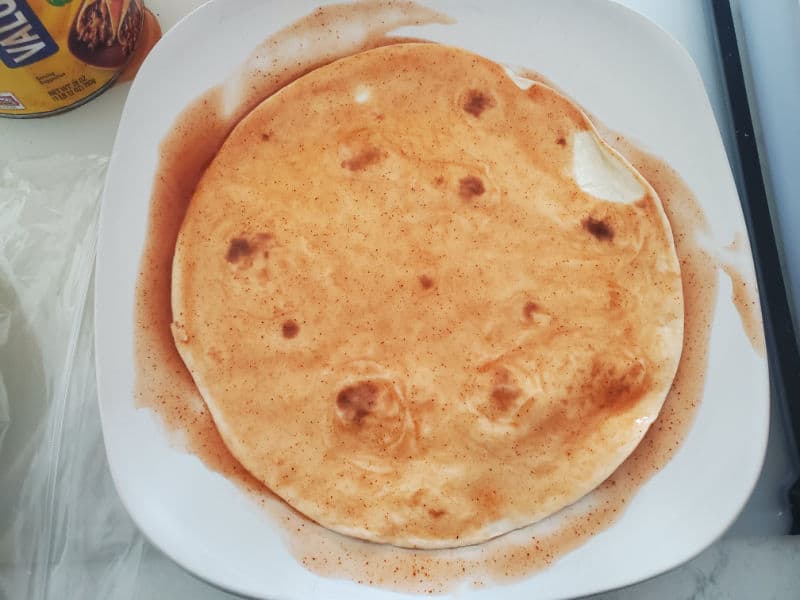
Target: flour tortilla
{"points": [[425, 306]]}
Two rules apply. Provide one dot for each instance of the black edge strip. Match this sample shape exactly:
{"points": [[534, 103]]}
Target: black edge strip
{"points": [[782, 348]]}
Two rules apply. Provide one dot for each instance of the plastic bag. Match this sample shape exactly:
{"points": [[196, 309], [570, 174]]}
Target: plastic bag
{"points": [[55, 513], [64, 532]]}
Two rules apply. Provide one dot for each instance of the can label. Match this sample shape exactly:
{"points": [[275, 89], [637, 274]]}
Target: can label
{"points": [[57, 53], [23, 38]]}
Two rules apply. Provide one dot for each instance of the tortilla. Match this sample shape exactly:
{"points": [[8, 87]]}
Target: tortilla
{"points": [[426, 306]]}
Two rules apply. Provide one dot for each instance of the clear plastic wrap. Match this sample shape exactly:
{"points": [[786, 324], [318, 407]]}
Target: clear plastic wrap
{"points": [[64, 533], [55, 512]]}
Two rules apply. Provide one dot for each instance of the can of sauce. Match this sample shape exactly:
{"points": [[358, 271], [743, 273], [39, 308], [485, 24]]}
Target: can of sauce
{"points": [[57, 54]]}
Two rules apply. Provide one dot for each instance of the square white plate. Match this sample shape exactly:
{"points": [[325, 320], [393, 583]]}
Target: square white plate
{"points": [[625, 70]]}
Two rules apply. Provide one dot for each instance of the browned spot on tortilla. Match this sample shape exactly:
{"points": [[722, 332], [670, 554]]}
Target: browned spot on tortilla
{"points": [[238, 247], [265, 137], [598, 228], [477, 102], [470, 186], [356, 401], [359, 162], [503, 396], [290, 329], [426, 282], [436, 512], [561, 141], [529, 309], [616, 387]]}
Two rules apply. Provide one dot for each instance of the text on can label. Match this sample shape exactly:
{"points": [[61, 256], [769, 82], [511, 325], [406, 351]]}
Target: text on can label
{"points": [[23, 38]]}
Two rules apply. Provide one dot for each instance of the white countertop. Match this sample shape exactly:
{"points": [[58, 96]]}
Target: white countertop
{"points": [[751, 561]]}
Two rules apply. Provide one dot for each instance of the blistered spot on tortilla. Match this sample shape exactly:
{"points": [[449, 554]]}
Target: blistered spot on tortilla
{"points": [[238, 248], [356, 401], [470, 186], [363, 159], [529, 309], [290, 329], [599, 229], [477, 102]]}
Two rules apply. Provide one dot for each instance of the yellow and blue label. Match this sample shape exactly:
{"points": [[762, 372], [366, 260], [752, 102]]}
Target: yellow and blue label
{"points": [[23, 38], [55, 54]]}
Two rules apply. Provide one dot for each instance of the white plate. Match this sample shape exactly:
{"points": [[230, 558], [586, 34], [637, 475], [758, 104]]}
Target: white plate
{"points": [[623, 69]]}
